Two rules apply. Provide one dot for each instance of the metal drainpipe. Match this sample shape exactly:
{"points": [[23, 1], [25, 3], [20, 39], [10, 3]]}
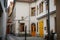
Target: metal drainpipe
{"points": [[36, 15], [29, 20], [25, 32]]}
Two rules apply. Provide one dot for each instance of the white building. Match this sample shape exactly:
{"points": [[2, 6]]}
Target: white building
{"points": [[34, 13], [23, 17], [42, 17], [3, 18]]}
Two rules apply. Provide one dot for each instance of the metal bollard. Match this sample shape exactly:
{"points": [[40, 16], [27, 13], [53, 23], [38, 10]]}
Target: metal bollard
{"points": [[25, 32]]}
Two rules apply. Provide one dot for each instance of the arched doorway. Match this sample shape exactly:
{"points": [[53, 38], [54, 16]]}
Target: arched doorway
{"points": [[33, 29]]}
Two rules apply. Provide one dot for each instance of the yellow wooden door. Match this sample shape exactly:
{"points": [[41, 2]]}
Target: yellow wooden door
{"points": [[41, 31]]}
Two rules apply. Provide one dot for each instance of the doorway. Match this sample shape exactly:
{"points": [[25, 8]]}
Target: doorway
{"points": [[33, 29]]}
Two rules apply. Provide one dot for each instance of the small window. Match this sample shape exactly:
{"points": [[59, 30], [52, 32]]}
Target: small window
{"points": [[54, 2], [33, 11], [46, 5], [5, 3], [21, 27], [41, 7]]}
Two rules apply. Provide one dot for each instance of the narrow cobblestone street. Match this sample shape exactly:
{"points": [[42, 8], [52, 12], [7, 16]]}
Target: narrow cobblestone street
{"points": [[11, 37]]}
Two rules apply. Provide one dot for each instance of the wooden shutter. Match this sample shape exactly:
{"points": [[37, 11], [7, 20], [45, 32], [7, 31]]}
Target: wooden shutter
{"points": [[33, 11], [41, 7], [54, 2]]}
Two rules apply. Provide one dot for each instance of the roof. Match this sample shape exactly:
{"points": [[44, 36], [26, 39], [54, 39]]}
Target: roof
{"points": [[25, 0]]}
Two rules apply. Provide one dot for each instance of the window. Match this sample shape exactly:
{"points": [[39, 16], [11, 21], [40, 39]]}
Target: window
{"points": [[21, 27], [41, 7], [54, 2], [33, 11], [5, 3], [46, 5]]}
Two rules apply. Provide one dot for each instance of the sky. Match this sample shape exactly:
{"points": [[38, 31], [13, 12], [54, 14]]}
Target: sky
{"points": [[9, 2]]}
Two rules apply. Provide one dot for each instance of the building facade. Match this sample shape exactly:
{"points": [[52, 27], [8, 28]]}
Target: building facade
{"points": [[23, 17], [43, 18], [3, 18], [33, 15]]}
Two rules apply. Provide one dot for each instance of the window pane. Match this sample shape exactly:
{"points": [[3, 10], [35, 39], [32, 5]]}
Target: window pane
{"points": [[54, 2], [33, 11], [21, 27], [41, 7]]}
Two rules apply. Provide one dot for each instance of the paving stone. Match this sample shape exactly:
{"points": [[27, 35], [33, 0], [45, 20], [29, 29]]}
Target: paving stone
{"points": [[10, 37]]}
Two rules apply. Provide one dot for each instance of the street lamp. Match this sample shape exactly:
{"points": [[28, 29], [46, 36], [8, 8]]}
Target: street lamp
{"points": [[48, 16]]}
